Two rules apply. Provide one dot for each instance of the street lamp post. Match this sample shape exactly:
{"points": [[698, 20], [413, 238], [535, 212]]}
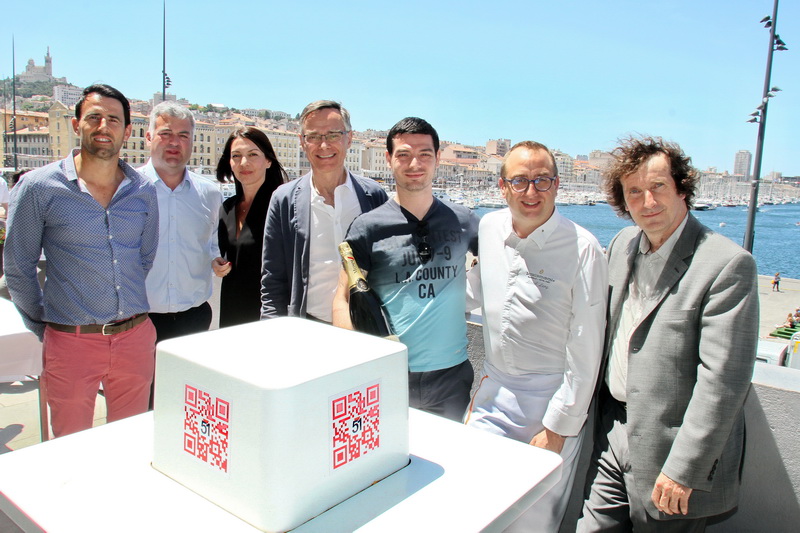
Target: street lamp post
{"points": [[14, 102], [760, 117], [165, 81]]}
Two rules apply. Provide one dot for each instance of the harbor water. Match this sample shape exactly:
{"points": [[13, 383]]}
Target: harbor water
{"points": [[777, 230]]}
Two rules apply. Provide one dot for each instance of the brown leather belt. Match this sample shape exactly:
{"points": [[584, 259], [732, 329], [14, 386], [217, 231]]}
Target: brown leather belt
{"points": [[106, 329]]}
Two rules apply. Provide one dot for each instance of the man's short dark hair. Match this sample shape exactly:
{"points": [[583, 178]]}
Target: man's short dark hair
{"points": [[411, 125], [109, 92], [634, 152]]}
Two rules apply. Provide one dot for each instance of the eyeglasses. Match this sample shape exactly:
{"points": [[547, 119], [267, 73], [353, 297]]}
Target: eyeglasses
{"points": [[541, 184], [424, 250], [331, 137]]}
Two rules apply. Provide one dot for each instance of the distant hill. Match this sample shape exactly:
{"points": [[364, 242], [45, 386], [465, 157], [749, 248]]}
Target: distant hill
{"points": [[26, 90]]}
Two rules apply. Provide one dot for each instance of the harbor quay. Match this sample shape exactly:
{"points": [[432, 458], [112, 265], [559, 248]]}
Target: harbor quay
{"points": [[768, 406]]}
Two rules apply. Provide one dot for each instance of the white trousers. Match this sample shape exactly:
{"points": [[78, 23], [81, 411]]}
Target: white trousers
{"points": [[513, 407]]}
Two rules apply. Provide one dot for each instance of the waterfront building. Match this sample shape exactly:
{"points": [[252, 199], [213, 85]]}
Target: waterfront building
{"points": [[586, 173], [459, 154], [140, 106], [33, 147], [565, 165], [25, 121], [134, 151], [477, 177], [491, 163], [67, 94], [287, 149], [279, 115], [204, 159], [600, 159], [498, 147], [741, 164], [373, 160], [774, 176], [62, 136]]}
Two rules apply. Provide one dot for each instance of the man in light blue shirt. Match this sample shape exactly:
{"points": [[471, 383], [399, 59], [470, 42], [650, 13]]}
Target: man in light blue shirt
{"points": [[180, 283]]}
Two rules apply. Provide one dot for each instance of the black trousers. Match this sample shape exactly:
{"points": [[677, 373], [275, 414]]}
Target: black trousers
{"points": [[171, 325]]}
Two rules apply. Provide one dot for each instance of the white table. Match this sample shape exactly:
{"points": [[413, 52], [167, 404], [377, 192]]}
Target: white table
{"points": [[459, 479]]}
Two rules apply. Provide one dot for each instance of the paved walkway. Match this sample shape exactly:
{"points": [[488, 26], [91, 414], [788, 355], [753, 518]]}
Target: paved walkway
{"points": [[19, 407]]}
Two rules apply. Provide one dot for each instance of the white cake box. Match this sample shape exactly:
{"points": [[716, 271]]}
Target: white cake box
{"points": [[279, 420]]}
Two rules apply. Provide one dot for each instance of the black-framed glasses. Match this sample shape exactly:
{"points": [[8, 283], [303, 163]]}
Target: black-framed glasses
{"points": [[331, 137], [424, 250], [541, 184]]}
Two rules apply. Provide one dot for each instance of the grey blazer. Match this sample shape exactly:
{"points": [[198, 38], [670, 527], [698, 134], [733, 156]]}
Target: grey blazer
{"points": [[285, 255], [690, 363]]}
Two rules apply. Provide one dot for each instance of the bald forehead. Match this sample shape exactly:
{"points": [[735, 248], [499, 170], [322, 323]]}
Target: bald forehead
{"points": [[523, 153]]}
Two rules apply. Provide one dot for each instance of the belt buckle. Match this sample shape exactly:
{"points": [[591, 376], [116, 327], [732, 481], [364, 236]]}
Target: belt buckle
{"points": [[103, 329]]}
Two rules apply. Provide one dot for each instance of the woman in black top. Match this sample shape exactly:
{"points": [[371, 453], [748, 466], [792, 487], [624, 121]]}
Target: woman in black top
{"points": [[250, 160]]}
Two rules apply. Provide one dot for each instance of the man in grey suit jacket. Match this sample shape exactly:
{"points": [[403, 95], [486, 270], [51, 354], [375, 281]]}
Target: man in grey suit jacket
{"points": [[309, 217], [680, 347]]}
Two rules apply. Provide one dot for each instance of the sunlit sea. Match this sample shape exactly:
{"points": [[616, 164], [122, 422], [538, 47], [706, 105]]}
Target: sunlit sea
{"points": [[777, 233]]}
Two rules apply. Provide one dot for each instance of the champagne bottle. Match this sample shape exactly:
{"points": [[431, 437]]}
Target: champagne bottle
{"points": [[366, 311]]}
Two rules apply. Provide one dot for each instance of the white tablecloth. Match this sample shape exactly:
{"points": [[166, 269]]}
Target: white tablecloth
{"points": [[459, 479], [20, 350]]}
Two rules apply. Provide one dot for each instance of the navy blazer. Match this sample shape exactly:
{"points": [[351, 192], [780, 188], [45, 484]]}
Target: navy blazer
{"points": [[284, 273]]}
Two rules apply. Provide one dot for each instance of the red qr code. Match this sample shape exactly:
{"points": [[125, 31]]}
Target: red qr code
{"points": [[205, 427], [356, 420]]}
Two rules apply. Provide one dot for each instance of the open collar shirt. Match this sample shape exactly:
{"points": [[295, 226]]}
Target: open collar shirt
{"points": [[544, 304], [182, 276], [97, 258], [328, 228], [647, 268]]}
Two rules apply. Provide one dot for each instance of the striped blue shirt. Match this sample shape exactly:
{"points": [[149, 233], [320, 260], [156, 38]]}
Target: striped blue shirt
{"points": [[97, 258]]}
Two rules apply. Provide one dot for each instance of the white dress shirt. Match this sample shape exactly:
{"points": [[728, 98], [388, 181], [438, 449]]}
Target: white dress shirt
{"points": [[328, 228], [544, 306], [647, 268], [182, 276]]}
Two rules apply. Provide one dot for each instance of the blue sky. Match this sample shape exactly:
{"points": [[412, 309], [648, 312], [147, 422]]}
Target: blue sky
{"points": [[575, 75]]}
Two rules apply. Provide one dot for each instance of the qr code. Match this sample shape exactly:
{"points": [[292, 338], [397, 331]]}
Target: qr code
{"points": [[356, 420], [205, 427]]}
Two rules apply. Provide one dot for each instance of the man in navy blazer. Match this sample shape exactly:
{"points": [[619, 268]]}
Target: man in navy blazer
{"points": [[309, 217], [681, 341]]}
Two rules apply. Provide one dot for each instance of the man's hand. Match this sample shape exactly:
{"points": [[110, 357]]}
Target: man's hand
{"points": [[549, 441], [221, 267], [670, 496]]}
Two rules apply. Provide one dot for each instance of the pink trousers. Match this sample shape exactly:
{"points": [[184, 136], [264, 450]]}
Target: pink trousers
{"points": [[76, 363]]}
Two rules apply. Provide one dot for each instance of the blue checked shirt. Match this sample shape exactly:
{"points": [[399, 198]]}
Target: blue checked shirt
{"points": [[97, 259]]}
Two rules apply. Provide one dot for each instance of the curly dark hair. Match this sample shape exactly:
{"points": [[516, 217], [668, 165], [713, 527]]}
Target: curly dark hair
{"points": [[632, 153]]}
